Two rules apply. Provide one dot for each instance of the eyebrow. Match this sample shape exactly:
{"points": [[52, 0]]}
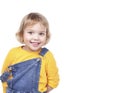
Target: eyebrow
{"points": [[42, 31], [33, 30]]}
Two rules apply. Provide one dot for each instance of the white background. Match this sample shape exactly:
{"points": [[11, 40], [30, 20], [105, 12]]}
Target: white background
{"points": [[85, 40]]}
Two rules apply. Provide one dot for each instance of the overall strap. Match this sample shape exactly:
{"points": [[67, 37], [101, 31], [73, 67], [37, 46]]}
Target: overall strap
{"points": [[43, 51]]}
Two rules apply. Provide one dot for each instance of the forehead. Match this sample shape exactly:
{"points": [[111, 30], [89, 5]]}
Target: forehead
{"points": [[32, 23], [36, 26]]}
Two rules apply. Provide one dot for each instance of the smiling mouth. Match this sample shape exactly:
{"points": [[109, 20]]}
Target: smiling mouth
{"points": [[35, 44]]}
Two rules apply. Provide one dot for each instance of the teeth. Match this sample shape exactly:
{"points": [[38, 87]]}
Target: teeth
{"points": [[35, 43]]}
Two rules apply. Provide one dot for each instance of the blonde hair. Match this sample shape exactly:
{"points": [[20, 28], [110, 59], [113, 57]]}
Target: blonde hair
{"points": [[31, 19]]}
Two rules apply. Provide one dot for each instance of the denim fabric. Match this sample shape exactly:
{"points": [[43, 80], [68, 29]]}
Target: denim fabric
{"points": [[5, 76], [25, 77], [14, 91], [43, 51]]}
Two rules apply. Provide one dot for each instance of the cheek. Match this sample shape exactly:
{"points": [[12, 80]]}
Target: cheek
{"points": [[26, 36], [43, 39]]}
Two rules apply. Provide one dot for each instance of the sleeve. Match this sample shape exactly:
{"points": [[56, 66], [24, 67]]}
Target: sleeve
{"points": [[6, 63], [52, 71], [8, 60]]}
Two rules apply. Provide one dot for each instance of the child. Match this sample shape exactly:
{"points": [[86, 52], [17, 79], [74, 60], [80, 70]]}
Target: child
{"points": [[30, 68]]}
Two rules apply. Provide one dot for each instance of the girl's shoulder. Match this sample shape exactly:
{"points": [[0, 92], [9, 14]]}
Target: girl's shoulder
{"points": [[14, 49], [49, 54]]}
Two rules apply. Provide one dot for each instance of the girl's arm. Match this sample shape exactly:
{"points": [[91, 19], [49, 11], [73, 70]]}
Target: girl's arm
{"points": [[52, 72], [6, 63]]}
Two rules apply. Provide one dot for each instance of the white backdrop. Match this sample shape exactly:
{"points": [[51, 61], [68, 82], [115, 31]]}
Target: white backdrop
{"points": [[85, 40]]}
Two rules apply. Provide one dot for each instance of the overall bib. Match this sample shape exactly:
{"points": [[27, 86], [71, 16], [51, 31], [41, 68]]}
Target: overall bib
{"points": [[25, 76]]}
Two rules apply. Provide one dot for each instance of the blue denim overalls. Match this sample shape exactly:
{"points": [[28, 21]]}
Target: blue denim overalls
{"points": [[25, 76]]}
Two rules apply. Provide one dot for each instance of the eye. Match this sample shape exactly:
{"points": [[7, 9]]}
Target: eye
{"points": [[42, 34], [30, 32]]}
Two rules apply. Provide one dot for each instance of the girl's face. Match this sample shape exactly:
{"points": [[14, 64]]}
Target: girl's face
{"points": [[34, 37]]}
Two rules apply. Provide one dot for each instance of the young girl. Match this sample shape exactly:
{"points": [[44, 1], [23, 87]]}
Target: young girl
{"points": [[30, 68]]}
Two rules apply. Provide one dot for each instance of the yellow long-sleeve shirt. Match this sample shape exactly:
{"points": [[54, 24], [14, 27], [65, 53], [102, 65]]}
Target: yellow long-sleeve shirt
{"points": [[48, 73]]}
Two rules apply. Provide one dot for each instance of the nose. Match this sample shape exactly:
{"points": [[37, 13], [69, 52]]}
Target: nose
{"points": [[36, 37]]}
